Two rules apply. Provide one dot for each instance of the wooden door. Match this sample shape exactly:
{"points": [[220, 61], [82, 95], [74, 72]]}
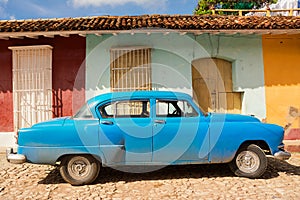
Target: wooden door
{"points": [[212, 85]]}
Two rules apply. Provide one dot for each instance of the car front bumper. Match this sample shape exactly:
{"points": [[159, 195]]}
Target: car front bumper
{"points": [[14, 157], [282, 155]]}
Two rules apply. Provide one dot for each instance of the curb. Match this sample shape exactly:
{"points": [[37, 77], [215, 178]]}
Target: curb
{"points": [[292, 145], [2, 150]]}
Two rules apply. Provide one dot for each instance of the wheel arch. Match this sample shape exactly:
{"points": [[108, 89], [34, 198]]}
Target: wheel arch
{"points": [[261, 143], [97, 157]]}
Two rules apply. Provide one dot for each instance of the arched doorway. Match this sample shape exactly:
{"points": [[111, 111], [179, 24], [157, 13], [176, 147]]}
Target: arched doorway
{"points": [[212, 85]]}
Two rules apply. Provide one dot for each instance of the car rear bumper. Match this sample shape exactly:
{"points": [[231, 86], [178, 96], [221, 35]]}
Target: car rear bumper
{"points": [[282, 155], [14, 157]]}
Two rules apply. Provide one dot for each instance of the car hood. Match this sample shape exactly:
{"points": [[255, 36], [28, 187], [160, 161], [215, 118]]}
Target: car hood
{"points": [[232, 117], [53, 122]]}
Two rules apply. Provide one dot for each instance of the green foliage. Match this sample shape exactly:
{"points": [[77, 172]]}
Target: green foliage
{"points": [[204, 6]]}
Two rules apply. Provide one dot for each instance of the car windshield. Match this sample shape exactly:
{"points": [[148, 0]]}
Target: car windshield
{"points": [[200, 108], [84, 112]]}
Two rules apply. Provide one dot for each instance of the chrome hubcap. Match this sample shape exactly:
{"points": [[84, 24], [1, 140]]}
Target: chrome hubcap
{"points": [[247, 161], [79, 167]]}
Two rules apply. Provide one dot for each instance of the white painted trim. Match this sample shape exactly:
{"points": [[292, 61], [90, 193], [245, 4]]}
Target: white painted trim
{"points": [[30, 47]]}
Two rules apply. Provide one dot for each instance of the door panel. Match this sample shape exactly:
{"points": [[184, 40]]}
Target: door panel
{"points": [[178, 138], [131, 137], [126, 131]]}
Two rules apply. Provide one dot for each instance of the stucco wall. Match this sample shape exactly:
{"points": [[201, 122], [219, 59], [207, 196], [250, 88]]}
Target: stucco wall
{"points": [[171, 60], [68, 76], [6, 97], [172, 55], [245, 53], [282, 78]]}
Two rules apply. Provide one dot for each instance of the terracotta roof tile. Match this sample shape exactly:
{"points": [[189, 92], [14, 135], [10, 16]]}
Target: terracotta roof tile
{"points": [[181, 22]]}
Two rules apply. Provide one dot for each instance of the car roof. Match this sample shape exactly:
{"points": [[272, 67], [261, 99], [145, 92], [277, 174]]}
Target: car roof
{"points": [[137, 94]]}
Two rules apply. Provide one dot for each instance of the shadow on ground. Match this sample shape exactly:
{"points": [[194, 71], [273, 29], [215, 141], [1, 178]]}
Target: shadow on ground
{"points": [[178, 172]]}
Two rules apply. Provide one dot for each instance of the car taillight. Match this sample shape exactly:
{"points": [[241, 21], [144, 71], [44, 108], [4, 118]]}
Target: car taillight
{"points": [[17, 137]]}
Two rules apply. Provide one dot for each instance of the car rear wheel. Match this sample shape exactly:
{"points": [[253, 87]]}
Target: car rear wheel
{"points": [[250, 161], [79, 169]]}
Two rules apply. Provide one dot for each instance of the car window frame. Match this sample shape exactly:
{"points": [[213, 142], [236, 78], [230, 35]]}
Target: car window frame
{"points": [[172, 99], [84, 118], [111, 101]]}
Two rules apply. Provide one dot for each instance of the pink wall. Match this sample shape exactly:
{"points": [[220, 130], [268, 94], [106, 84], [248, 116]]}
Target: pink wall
{"points": [[68, 67]]}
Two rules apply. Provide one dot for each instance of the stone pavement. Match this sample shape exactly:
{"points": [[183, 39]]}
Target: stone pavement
{"points": [[28, 181]]}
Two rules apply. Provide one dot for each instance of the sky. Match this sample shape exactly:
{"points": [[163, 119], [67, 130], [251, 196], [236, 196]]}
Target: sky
{"points": [[33, 9]]}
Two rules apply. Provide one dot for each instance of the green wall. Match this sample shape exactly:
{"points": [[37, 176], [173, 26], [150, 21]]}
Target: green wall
{"points": [[172, 55], [245, 53]]}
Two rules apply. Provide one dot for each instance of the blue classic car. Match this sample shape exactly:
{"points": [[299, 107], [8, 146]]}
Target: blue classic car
{"points": [[148, 128]]}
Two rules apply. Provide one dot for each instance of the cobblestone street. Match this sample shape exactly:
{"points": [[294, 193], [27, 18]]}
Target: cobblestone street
{"points": [[27, 181]]}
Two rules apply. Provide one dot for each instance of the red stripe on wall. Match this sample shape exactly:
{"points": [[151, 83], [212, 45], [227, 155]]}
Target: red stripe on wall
{"points": [[292, 134]]}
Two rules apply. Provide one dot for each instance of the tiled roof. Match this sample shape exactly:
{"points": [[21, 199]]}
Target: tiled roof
{"points": [[178, 22]]}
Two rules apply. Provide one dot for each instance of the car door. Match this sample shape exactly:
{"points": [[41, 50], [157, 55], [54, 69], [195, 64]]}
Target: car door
{"points": [[180, 133], [126, 131]]}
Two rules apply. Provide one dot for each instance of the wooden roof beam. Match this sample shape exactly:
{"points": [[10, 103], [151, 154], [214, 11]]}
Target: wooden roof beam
{"points": [[32, 36], [49, 36], [17, 37], [64, 35], [198, 33]]}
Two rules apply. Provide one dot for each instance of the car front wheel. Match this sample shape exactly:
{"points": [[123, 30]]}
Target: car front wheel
{"points": [[79, 169], [250, 161]]}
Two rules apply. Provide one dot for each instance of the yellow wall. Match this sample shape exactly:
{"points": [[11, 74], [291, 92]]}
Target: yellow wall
{"points": [[282, 77]]}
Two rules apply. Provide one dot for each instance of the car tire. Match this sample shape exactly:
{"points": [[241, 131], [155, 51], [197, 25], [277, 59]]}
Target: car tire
{"points": [[79, 169], [250, 161]]}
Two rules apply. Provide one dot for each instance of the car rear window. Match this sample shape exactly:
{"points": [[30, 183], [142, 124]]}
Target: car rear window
{"points": [[126, 109]]}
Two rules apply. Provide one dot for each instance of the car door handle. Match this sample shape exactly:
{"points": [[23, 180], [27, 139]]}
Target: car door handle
{"points": [[107, 122], [159, 121]]}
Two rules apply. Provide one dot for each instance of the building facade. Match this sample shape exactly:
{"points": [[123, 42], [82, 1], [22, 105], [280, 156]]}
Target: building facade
{"points": [[231, 64]]}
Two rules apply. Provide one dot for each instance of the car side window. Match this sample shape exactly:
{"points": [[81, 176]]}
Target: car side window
{"points": [[126, 109], [174, 108]]}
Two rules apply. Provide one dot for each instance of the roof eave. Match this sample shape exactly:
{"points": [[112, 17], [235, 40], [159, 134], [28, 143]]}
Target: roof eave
{"points": [[51, 34]]}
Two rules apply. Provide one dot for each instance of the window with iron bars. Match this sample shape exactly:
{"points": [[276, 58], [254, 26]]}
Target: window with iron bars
{"points": [[130, 69]]}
